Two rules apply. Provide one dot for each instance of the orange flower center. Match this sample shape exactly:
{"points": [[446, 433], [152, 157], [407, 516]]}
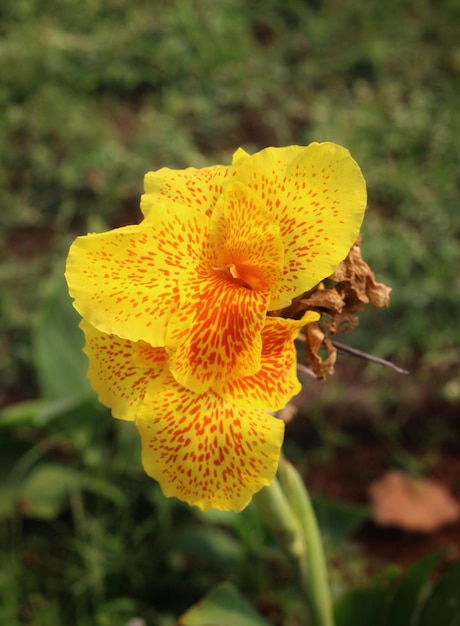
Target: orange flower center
{"points": [[247, 276]]}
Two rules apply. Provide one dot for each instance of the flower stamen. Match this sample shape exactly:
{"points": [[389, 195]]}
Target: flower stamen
{"points": [[249, 276], [246, 276]]}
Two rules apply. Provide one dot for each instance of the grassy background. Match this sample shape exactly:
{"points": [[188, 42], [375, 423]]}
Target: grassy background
{"points": [[93, 94]]}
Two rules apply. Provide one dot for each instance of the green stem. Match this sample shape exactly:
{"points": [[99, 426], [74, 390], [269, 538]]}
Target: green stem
{"points": [[277, 513], [313, 569], [286, 508]]}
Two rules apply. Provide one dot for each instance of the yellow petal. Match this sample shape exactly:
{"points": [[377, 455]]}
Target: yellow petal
{"points": [[205, 451], [317, 194], [239, 156], [215, 333], [246, 239], [120, 371], [124, 282], [196, 188], [276, 382]]}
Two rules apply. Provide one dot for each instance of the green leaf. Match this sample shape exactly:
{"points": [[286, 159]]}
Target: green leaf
{"points": [[39, 413], [400, 604], [443, 604], [209, 544], [223, 606], [338, 519], [404, 604], [116, 611], [60, 362], [44, 492], [11, 451], [360, 607], [21, 413], [103, 489]]}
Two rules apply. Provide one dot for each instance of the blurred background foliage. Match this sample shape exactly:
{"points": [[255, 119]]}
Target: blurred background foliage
{"points": [[95, 93]]}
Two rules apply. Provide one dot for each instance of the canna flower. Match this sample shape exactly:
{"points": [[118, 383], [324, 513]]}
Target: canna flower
{"points": [[213, 449], [217, 249], [180, 311]]}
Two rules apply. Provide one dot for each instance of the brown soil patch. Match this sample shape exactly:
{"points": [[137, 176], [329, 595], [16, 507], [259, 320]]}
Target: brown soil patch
{"points": [[348, 475]]}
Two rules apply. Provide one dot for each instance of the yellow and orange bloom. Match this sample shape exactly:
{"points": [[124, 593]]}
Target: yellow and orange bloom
{"points": [[212, 449], [186, 294]]}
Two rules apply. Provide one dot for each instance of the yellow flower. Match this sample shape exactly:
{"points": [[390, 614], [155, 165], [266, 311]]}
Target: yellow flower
{"points": [[175, 310], [219, 247], [213, 449]]}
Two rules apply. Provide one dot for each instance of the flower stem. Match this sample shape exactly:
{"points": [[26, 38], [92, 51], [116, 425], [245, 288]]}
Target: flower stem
{"points": [[286, 508], [313, 568]]}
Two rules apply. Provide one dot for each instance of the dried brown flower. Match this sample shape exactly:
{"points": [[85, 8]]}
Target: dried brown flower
{"points": [[350, 288]]}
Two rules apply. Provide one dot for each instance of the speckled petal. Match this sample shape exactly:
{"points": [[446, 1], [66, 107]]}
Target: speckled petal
{"points": [[215, 333], [192, 187], [120, 371], [124, 281], [206, 451], [276, 381], [318, 196], [246, 238]]}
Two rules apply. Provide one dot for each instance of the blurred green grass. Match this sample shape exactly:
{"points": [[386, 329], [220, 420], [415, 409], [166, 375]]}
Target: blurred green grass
{"points": [[93, 94]]}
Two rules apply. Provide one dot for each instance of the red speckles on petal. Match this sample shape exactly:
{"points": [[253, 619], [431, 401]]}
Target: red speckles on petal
{"points": [[215, 333], [120, 370], [124, 282], [206, 451], [196, 188], [246, 239], [317, 195], [276, 381]]}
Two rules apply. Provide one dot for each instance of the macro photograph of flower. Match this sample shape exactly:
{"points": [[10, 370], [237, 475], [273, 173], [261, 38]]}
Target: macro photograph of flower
{"points": [[230, 348]]}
